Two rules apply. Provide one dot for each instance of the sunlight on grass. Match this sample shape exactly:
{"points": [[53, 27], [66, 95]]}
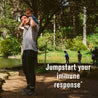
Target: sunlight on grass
{"points": [[7, 62], [51, 57], [58, 57]]}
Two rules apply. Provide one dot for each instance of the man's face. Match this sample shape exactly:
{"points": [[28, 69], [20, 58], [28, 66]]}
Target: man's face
{"points": [[28, 13], [24, 20]]}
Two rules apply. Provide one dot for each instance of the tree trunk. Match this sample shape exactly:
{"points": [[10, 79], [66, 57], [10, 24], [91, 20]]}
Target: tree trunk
{"points": [[4, 34], [54, 30], [74, 25], [84, 27], [41, 35]]}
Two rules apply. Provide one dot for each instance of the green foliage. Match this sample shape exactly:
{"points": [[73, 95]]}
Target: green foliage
{"points": [[76, 44], [63, 33], [7, 21], [6, 47], [51, 47], [92, 39], [59, 48], [9, 46], [96, 29], [47, 38], [69, 44], [41, 44], [16, 46], [59, 37]]}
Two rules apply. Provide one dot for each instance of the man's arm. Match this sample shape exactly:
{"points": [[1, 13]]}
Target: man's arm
{"points": [[20, 26], [33, 24]]}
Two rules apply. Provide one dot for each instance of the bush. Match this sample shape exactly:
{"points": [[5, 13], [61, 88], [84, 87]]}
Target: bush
{"points": [[9, 46], [76, 44], [69, 44], [92, 39], [42, 42], [59, 48], [50, 47], [5, 47]]}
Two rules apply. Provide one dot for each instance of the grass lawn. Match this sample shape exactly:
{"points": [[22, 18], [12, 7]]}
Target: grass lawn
{"points": [[51, 57], [58, 57], [9, 62]]}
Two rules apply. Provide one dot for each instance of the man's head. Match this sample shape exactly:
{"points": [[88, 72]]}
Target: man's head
{"points": [[24, 19], [78, 51], [29, 12], [95, 48]]}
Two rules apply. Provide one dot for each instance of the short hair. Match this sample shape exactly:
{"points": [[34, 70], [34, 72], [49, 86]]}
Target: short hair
{"points": [[95, 47], [29, 9], [78, 51], [22, 16]]}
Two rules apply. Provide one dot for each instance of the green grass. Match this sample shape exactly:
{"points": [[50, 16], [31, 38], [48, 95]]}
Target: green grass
{"points": [[8, 62], [58, 57], [51, 57]]}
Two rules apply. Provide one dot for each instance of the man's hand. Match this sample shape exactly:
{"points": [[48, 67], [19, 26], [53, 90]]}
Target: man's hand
{"points": [[21, 25]]}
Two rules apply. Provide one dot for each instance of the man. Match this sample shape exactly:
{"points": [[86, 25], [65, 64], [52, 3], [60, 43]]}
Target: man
{"points": [[79, 57], [66, 56], [95, 55], [29, 56]]}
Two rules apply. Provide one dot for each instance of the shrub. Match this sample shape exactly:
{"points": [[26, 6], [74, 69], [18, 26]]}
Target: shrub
{"points": [[58, 37], [41, 44], [9, 46], [92, 39], [59, 48], [5, 47], [69, 44], [76, 44], [50, 47], [16, 47]]}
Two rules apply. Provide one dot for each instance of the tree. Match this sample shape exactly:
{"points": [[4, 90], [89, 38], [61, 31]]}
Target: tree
{"points": [[7, 21], [45, 9], [84, 27], [54, 30]]}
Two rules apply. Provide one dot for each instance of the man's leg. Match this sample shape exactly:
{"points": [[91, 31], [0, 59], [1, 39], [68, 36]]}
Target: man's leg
{"points": [[79, 62], [25, 60], [29, 59], [68, 60], [32, 64]]}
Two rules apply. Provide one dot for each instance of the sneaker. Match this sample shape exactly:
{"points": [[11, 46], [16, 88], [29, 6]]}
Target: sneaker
{"points": [[28, 91], [26, 88]]}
